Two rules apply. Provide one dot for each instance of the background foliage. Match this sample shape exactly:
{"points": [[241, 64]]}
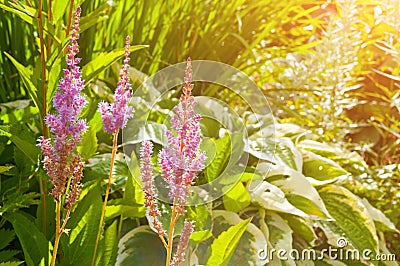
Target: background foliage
{"points": [[330, 70]]}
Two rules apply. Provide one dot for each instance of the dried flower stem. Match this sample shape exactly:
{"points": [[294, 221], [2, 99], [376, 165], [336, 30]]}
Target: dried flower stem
{"points": [[103, 210]]}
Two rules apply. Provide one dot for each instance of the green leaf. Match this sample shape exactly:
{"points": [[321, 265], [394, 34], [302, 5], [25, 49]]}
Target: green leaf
{"points": [[88, 145], [26, 76], [21, 137], [29, 236], [117, 207], [351, 217], [280, 234], [11, 263], [19, 200], [270, 197], [5, 168], [141, 246], [220, 157], [6, 237], [78, 246], [222, 154], [237, 198], [302, 227], [280, 151], [103, 61], [321, 168], [109, 253], [59, 10], [379, 218], [298, 190], [223, 247]]}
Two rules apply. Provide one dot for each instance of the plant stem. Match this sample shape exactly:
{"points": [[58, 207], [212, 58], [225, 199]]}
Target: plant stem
{"points": [[71, 9], [103, 210], [174, 218], [58, 231], [50, 19], [44, 106]]}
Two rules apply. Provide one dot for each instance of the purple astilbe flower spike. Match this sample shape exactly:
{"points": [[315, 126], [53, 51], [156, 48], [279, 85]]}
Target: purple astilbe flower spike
{"points": [[146, 170], [182, 158], [61, 160], [116, 115], [183, 243]]}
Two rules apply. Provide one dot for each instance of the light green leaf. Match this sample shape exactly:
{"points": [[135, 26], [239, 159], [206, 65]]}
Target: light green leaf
{"points": [[219, 157], [251, 241], [270, 197], [321, 168], [88, 146], [237, 198], [103, 61], [4, 168], [223, 247], [379, 218], [110, 247], [117, 207]]}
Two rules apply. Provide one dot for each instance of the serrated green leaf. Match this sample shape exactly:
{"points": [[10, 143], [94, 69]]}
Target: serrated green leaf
{"points": [[6, 237], [29, 236], [11, 263], [351, 217], [83, 223], [23, 139], [110, 247], [223, 247], [18, 200], [6, 255]]}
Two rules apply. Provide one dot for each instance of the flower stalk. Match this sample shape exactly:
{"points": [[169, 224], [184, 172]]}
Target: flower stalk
{"points": [[115, 117], [61, 161], [180, 160]]}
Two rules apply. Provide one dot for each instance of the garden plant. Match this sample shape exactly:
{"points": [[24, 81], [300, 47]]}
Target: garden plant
{"points": [[199, 132]]}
